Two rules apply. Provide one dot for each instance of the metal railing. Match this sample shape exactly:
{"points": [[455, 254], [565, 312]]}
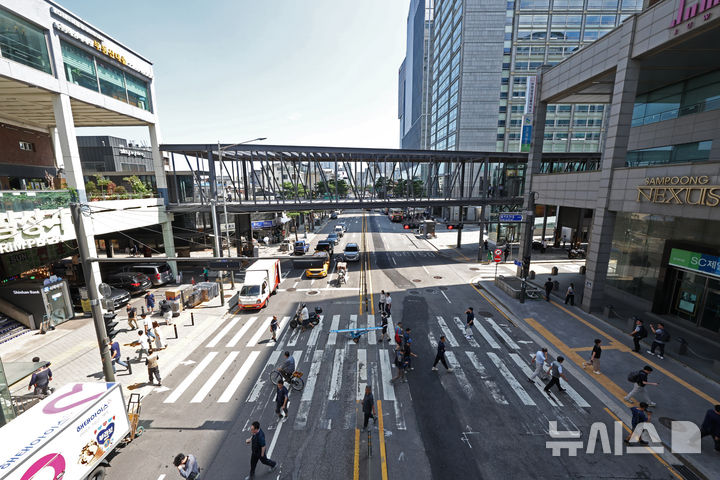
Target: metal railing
{"points": [[704, 106]]}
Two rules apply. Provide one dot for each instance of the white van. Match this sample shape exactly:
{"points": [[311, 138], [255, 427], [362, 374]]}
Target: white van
{"points": [[261, 280]]}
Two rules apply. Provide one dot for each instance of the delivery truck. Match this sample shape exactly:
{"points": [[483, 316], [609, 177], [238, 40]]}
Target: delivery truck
{"points": [[262, 279], [67, 435]]}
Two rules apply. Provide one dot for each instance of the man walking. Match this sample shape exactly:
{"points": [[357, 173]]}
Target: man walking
{"points": [[150, 302], [595, 357], [144, 345], [384, 325], [147, 326], [398, 333], [506, 251], [570, 295], [640, 379], [539, 361], [115, 355], [639, 415], [153, 369], [381, 303], [638, 333], [273, 328], [281, 399], [557, 372], [187, 466], [548, 288], [469, 321], [388, 303], [132, 317], [257, 449], [711, 425], [440, 356], [40, 380], [661, 336], [368, 405]]}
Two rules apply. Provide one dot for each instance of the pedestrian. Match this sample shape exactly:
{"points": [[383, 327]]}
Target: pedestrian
{"points": [[506, 251], [187, 466], [440, 356], [144, 345], [150, 302], [153, 369], [407, 357], [406, 341], [388, 303], [557, 371], [381, 303], [640, 415], [543, 246], [539, 361], [398, 333], [711, 425], [661, 336], [638, 333], [281, 399], [159, 345], [469, 322], [595, 357], [257, 449], [368, 406], [40, 379], [147, 326], [570, 295], [548, 288], [640, 380], [205, 274], [166, 311], [132, 317], [274, 327], [564, 241], [384, 335], [485, 245], [115, 355]]}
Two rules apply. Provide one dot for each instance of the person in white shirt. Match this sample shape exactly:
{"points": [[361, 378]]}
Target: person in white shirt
{"points": [[388, 303], [144, 345], [538, 361]]}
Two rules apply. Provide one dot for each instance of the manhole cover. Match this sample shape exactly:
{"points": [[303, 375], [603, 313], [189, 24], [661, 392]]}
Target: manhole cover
{"points": [[437, 277], [443, 288], [417, 280], [475, 269], [413, 292], [485, 314], [429, 290], [313, 292], [291, 289]]}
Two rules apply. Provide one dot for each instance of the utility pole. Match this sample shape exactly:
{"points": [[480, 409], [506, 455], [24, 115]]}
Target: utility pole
{"points": [[529, 225], [217, 251], [91, 283]]}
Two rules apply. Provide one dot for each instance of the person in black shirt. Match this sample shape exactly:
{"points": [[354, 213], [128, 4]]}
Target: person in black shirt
{"points": [[440, 357], [257, 448], [595, 357], [711, 425], [281, 399], [368, 405], [274, 327], [548, 288], [384, 325], [41, 379], [469, 321]]}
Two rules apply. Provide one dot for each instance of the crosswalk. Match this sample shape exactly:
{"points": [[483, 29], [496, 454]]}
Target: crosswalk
{"points": [[488, 367]]}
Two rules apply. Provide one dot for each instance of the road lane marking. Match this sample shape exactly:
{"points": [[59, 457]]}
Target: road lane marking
{"points": [[461, 325], [356, 460], [264, 328], [386, 376], [307, 394], [391, 331], [243, 330], [371, 338], [381, 434], [361, 379], [315, 333], [446, 331], [540, 386], [194, 374], [294, 336], [210, 383], [488, 338], [399, 416], [334, 325], [492, 387], [512, 381], [393, 259], [276, 435], [509, 341], [460, 375], [336, 376], [223, 332], [239, 377], [272, 361], [446, 297]]}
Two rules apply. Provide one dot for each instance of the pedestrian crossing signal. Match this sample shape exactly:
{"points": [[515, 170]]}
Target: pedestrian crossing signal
{"points": [[451, 227], [406, 227], [110, 324]]}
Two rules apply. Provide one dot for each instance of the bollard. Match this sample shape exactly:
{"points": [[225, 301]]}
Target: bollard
{"points": [[192, 319], [175, 328], [127, 359], [683, 348], [554, 271]]}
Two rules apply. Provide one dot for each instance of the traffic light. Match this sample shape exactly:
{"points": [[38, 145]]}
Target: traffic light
{"points": [[526, 266], [110, 324], [406, 227]]}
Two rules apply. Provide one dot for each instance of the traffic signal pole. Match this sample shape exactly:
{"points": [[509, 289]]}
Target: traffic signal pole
{"points": [[526, 249], [91, 283]]}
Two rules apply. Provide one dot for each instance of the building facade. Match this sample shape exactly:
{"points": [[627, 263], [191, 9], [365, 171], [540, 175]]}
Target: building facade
{"points": [[654, 197]]}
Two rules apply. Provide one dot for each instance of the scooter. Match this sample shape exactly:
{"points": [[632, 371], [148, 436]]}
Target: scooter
{"points": [[576, 253], [313, 318]]}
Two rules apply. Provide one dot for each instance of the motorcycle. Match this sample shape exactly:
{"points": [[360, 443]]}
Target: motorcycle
{"points": [[313, 318], [576, 253]]}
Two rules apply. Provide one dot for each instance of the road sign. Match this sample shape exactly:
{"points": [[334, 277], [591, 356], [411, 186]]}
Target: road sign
{"points": [[518, 263], [498, 255], [510, 217]]}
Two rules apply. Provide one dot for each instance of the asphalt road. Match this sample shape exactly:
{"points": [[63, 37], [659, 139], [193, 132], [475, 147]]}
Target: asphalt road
{"points": [[484, 420]]}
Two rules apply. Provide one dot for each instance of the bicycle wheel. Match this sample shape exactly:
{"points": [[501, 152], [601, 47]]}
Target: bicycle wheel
{"points": [[297, 383], [275, 377]]}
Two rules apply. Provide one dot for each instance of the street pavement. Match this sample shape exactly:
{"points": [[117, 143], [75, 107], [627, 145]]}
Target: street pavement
{"points": [[483, 420]]}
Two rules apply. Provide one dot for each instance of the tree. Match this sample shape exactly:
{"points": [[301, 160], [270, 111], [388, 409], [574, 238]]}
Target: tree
{"points": [[341, 187], [289, 190], [101, 182], [401, 188], [91, 188], [382, 184], [137, 185]]}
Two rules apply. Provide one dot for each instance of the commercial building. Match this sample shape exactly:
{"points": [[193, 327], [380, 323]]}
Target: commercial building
{"points": [[58, 72], [654, 197]]}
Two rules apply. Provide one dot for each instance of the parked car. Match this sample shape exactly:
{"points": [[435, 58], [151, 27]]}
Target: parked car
{"points": [[339, 231], [301, 247], [119, 297], [133, 282], [333, 237], [325, 246], [352, 252], [159, 273]]}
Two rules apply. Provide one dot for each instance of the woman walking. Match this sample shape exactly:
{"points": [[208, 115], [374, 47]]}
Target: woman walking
{"points": [[570, 295]]}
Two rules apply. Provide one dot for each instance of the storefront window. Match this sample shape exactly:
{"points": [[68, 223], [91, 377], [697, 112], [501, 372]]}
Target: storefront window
{"points": [[112, 82], [137, 92], [79, 67], [23, 43]]}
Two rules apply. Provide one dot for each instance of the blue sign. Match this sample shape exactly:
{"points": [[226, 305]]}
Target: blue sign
{"points": [[510, 217], [518, 263], [262, 224]]}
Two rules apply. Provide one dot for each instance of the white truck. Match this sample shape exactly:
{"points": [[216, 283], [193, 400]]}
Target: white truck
{"points": [[262, 279], [65, 436]]}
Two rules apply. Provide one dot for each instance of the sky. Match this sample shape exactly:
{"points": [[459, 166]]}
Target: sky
{"points": [[313, 72]]}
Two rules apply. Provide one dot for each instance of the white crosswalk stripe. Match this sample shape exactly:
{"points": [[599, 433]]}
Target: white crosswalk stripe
{"points": [[386, 375], [239, 377], [446, 331], [490, 384], [361, 373], [263, 377], [307, 394], [229, 326], [371, 338], [471, 339], [572, 393], [264, 329], [213, 379], [192, 376], [460, 375], [512, 381], [391, 331], [294, 337], [315, 333], [488, 338], [336, 376], [236, 338], [540, 386], [334, 325], [506, 338]]}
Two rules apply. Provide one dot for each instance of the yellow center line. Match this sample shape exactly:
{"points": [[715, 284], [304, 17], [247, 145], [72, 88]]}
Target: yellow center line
{"points": [[654, 365], [356, 467], [381, 433], [654, 454]]}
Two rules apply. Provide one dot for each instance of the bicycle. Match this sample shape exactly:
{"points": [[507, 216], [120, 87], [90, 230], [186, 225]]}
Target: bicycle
{"points": [[295, 380], [534, 295]]}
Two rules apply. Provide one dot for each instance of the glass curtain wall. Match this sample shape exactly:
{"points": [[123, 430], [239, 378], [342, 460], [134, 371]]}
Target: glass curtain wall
{"points": [[23, 43]]}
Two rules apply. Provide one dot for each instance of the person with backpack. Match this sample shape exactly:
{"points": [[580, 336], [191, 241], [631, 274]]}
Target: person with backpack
{"points": [[640, 379], [638, 333], [661, 336], [398, 333], [639, 415], [557, 371]]}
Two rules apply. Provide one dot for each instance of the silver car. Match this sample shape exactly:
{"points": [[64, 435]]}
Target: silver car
{"points": [[352, 252]]}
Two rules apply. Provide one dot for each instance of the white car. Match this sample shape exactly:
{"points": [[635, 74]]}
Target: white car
{"points": [[339, 230]]}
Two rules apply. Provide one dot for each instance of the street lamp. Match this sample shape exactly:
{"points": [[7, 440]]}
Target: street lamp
{"points": [[222, 182]]}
